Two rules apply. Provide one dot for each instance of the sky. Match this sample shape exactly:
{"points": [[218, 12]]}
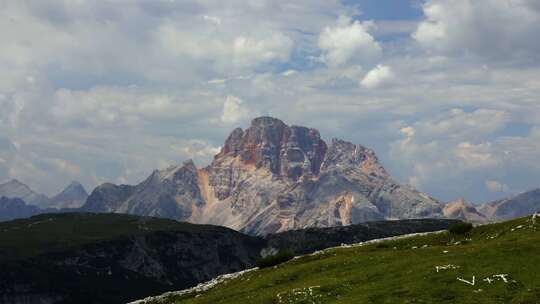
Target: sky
{"points": [[447, 92]]}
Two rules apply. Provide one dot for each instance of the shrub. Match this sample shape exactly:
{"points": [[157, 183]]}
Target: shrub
{"points": [[460, 228], [383, 245], [272, 260]]}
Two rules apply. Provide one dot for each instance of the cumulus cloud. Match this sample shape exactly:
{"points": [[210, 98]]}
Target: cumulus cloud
{"points": [[463, 152], [233, 110], [377, 77], [348, 41], [197, 149], [475, 155], [227, 52], [491, 29], [408, 131], [289, 73]]}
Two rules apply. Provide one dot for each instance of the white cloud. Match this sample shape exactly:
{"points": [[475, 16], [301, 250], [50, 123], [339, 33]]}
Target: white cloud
{"points": [[348, 42], [233, 110], [496, 186], [226, 51], [459, 124], [66, 167], [289, 73], [197, 149], [212, 19], [490, 29], [475, 156], [377, 77], [101, 86], [217, 81], [250, 52], [408, 131]]}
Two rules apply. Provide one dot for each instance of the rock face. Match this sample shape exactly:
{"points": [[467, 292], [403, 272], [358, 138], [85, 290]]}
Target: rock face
{"points": [[73, 196], [16, 189], [463, 211], [520, 205], [270, 178]]}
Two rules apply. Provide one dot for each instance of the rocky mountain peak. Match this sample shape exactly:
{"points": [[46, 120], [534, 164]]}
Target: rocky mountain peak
{"points": [[73, 196], [15, 185], [15, 182], [346, 154], [175, 172], [272, 177], [291, 152], [75, 187], [16, 189], [286, 151]]}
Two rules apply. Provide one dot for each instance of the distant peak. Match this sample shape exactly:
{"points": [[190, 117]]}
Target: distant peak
{"points": [[171, 171], [75, 183], [73, 189], [15, 181]]}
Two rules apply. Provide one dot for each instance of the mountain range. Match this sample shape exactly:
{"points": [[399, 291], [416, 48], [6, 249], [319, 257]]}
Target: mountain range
{"points": [[16, 189], [73, 196], [270, 178]]}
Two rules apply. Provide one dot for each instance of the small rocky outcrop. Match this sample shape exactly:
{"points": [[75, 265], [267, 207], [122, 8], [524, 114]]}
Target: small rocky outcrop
{"points": [[464, 211]]}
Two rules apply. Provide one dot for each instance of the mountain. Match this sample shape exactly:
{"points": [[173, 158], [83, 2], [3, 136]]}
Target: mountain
{"points": [[171, 193], [16, 189], [13, 208], [269, 178], [73, 196], [113, 258], [463, 211], [496, 263], [519, 205]]}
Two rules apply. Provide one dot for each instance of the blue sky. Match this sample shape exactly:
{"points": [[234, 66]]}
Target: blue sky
{"points": [[445, 91]]}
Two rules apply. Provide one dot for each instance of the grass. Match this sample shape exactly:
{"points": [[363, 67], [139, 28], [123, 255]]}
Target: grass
{"points": [[45, 233], [400, 271]]}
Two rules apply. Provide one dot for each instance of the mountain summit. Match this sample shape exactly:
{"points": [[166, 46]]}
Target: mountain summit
{"points": [[16, 189], [269, 178], [73, 196]]}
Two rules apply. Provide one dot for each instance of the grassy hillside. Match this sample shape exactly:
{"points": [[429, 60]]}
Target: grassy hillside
{"points": [[401, 271], [45, 233]]}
